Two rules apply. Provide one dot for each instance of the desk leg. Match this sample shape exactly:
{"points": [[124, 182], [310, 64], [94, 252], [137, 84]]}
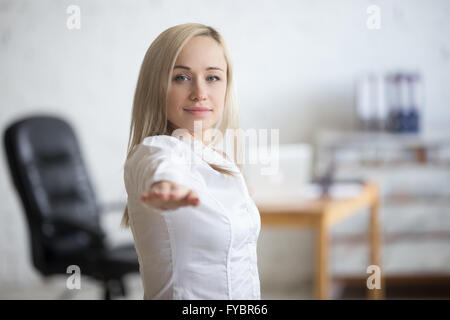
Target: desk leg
{"points": [[322, 275], [375, 294]]}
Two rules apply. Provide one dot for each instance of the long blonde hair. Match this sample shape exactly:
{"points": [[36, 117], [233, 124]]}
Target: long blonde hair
{"points": [[149, 116]]}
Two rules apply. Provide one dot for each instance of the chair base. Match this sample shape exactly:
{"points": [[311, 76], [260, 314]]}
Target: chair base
{"points": [[114, 288]]}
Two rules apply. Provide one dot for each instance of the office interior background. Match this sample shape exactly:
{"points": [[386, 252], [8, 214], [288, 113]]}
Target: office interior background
{"points": [[311, 69]]}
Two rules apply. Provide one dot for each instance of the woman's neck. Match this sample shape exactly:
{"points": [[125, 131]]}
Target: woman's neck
{"points": [[203, 137]]}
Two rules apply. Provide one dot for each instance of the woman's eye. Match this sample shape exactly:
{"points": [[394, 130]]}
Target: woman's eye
{"points": [[214, 77], [180, 77]]}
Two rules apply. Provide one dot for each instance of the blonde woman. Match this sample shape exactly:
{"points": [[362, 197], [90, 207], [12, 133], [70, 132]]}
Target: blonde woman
{"points": [[194, 224]]}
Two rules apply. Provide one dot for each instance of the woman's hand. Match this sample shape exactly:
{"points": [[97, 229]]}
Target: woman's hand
{"points": [[167, 195]]}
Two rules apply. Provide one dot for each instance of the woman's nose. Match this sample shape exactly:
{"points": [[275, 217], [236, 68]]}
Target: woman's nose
{"points": [[198, 92]]}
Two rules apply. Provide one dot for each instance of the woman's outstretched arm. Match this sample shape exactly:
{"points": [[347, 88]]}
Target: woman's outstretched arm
{"points": [[159, 173]]}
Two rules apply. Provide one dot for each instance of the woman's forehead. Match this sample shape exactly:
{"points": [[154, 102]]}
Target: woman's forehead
{"points": [[202, 53]]}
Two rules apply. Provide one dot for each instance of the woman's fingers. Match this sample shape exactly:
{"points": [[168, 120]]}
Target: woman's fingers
{"points": [[164, 190], [178, 192], [192, 198]]}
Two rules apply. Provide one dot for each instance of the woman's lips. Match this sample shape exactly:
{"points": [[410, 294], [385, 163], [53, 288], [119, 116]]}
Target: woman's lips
{"points": [[197, 111]]}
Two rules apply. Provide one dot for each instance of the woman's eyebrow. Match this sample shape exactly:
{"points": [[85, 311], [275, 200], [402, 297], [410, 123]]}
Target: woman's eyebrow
{"points": [[187, 68]]}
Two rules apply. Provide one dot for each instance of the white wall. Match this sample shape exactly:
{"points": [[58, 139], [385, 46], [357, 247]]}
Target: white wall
{"points": [[295, 64]]}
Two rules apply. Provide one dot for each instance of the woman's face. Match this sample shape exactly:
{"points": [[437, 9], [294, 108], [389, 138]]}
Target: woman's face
{"points": [[198, 85]]}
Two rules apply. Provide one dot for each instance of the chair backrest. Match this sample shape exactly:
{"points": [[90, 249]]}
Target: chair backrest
{"points": [[51, 179]]}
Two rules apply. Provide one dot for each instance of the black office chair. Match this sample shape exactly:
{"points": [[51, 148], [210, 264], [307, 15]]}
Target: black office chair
{"points": [[62, 212]]}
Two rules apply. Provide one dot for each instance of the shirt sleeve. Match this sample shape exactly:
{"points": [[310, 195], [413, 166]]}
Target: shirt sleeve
{"points": [[157, 158]]}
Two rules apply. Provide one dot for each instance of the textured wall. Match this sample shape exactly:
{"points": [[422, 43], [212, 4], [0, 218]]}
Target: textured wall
{"points": [[295, 63]]}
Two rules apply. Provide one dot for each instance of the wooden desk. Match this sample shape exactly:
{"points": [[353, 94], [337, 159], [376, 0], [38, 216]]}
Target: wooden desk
{"points": [[321, 214]]}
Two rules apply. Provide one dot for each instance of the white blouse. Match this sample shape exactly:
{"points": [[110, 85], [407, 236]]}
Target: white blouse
{"points": [[202, 252]]}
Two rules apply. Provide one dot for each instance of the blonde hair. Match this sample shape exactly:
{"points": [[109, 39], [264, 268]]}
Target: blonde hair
{"points": [[149, 116]]}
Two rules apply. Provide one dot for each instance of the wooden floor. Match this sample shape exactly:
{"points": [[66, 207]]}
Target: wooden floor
{"points": [[397, 287], [417, 287]]}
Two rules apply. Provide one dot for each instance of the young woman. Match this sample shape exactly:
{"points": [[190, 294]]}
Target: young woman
{"points": [[194, 224]]}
